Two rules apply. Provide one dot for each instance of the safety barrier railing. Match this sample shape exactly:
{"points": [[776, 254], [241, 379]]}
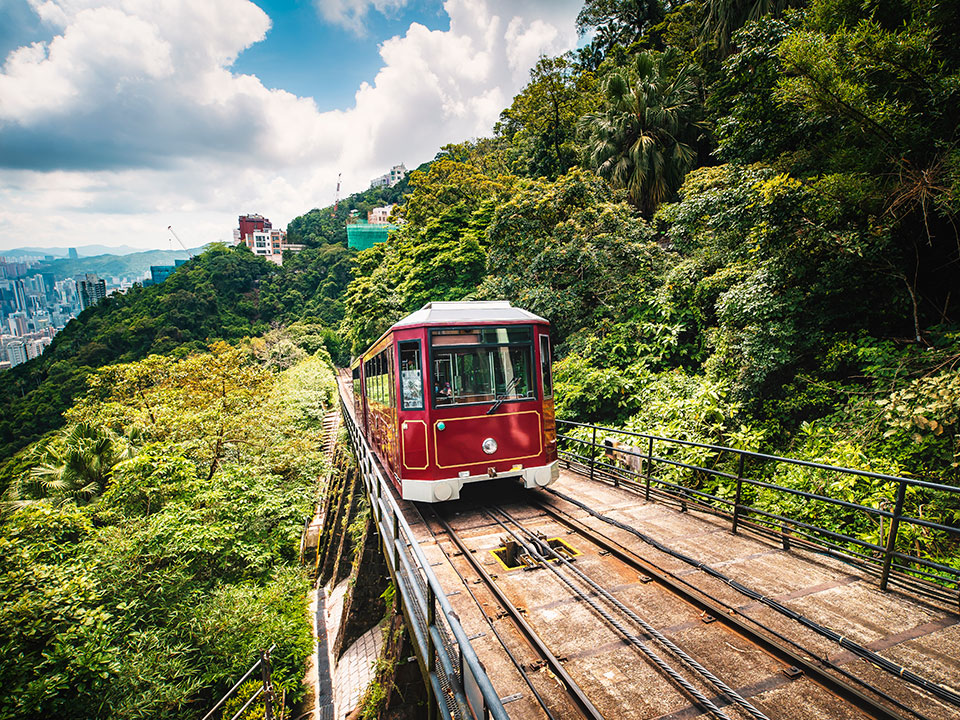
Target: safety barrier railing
{"points": [[736, 483], [456, 679], [265, 692]]}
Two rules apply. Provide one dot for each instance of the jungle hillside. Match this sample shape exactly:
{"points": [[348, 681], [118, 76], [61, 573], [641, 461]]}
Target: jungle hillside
{"points": [[740, 218]]}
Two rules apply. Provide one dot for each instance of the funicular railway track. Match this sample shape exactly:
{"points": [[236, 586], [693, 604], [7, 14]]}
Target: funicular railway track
{"points": [[654, 638]]}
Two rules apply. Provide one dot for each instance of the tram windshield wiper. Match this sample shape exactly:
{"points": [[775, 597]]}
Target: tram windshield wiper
{"points": [[498, 400]]}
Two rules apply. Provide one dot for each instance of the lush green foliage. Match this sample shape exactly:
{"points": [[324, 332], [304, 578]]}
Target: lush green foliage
{"points": [[226, 294], [212, 296], [777, 266], [153, 595], [752, 240]]}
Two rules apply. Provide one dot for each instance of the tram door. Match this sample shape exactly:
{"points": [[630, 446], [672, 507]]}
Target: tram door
{"points": [[413, 407]]}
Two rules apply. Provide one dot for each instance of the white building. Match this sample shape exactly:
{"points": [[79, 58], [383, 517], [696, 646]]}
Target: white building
{"points": [[379, 215], [36, 347], [17, 353], [396, 174]]}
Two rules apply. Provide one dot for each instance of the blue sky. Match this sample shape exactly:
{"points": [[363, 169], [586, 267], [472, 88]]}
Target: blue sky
{"points": [[310, 57], [120, 117]]}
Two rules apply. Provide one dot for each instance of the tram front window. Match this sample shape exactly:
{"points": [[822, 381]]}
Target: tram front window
{"points": [[481, 373]]}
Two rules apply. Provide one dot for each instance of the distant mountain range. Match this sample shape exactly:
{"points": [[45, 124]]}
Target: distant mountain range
{"points": [[130, 266], [82, 251]]}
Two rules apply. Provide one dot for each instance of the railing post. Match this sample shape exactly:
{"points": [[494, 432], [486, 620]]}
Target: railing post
{"points": [[736, 499], [396, 542], [267, 685], [646, 492], [892, 536], [432, 702], [593, 449]]}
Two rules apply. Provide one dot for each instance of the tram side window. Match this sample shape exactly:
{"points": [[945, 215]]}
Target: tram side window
{"points": [[545, 367], [389, 377], [411, 376], [368, 375], [380, 375]]}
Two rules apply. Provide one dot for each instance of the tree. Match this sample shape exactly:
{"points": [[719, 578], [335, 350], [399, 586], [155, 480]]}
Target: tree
{"points": [[439, 253], [573, 251], [540, 123], [722, 18], [887, 84], [76, 467], [644, 138], [619, 22]]}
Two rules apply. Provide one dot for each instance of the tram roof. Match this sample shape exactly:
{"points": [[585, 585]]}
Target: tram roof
{"points": [[474, 311]]}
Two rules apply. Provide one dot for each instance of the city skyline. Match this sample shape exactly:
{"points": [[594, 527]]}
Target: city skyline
{"points": [[117, 120]]}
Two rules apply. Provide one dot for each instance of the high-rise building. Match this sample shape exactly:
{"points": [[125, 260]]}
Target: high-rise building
{"points": [[18, 322], [73, 254], [16, 353], [20, 297], [91, 290]]}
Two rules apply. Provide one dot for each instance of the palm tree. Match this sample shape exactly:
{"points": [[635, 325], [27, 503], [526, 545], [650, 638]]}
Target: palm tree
{"points": [[77, 467], [722, 18], [641, 141]]}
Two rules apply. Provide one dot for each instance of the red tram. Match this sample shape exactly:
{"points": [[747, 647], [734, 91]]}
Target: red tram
{"points": [[459, 392]]}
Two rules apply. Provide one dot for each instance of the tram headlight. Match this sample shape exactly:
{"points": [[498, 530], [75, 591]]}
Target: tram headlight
{"points": [[489, 446]]}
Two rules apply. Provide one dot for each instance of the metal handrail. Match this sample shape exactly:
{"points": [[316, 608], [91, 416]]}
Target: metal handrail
{"points": [[237, 685], [886, 550], [763, 456], [398, 540]]}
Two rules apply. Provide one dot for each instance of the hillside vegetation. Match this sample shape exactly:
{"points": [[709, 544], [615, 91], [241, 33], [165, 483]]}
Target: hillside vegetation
{"points": [[152, 551], [740, 219]]}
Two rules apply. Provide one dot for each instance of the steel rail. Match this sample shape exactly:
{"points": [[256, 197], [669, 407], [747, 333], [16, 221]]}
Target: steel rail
{"points": [[825, 662], [579, 698], [844, 642], [671, 672], [707, 604], [239, 682], [732, 695]]}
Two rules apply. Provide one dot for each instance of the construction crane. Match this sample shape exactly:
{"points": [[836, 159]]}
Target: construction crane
{"points": [[336, 201], [170, 228]]}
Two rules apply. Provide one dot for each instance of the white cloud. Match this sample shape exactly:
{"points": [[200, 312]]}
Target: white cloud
{"points": [[352, 14], [130, 118]]}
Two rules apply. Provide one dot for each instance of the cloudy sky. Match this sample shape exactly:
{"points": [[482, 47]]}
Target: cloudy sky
{"points": [[121, 117]]}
